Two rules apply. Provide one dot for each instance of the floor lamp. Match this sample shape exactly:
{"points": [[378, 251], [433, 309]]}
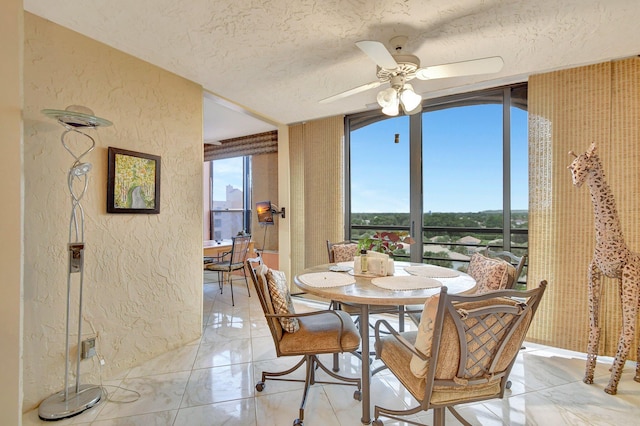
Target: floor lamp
{"points": [[75, 119]]}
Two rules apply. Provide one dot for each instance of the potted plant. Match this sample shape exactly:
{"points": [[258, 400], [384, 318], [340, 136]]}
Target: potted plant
{"points": [[385, 242]]}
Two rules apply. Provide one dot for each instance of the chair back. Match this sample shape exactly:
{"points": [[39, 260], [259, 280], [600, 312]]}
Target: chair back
{"points": [[344, 251], [258, 271], [476, 339], [518, 262], [239, 249]]}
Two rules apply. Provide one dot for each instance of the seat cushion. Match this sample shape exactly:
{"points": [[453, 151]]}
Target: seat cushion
{"points": [[281, 299], [490, 274], [397, 357], [318, 334]]}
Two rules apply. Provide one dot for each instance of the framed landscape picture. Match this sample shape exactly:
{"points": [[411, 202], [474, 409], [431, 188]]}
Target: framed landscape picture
{"points": [[133, 182]]}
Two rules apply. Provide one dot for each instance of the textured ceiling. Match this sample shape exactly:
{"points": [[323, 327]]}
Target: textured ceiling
{"points": [[278, 58]]}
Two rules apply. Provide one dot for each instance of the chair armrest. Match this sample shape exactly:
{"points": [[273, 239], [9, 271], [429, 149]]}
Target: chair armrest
{"points": [[220, 256], [315, 313], [393, 333]]}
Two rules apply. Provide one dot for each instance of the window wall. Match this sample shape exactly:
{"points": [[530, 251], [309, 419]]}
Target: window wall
{"points": [[454, 177], [230, 205]]}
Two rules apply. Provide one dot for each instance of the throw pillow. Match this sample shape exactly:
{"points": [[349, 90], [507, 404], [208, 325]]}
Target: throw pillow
{"points": [[424, 338], [281, 300], [344, 252], [490, 274]]}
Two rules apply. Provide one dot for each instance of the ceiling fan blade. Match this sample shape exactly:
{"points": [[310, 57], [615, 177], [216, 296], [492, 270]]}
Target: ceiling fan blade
{"points": [[350, 92], [456, 69], [378, 53]]}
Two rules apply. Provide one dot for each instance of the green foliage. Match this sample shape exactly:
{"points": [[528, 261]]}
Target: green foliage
{"points": [[483, 219], [386, 242]]}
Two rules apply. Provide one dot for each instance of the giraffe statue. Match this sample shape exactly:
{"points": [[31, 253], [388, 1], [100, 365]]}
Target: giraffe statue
{"points": [[612, 258]]}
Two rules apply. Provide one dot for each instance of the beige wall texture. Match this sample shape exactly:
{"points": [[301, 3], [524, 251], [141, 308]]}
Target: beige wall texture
{"points": [[143, 273], [11, 49], [317, 189], [568, 110], [264, 186]]}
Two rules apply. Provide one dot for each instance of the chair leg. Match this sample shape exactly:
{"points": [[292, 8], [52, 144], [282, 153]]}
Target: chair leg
{"points": [[457, 416], [399, 415], [231, 284], [438, 416], [244, 271], [309, 379], [336, 363], [312, 363]]}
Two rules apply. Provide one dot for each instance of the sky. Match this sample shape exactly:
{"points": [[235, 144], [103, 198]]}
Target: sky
{"points": [[228, 170], [462, 163]]}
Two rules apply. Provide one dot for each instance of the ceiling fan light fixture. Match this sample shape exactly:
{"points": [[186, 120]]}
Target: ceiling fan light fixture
{"points": [[387, 97], [391, 110], [410, 99]]}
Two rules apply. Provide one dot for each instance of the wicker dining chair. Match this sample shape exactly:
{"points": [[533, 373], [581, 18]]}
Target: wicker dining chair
{"points": [[519, 262], [345, 251], [489, 273], [307, 334], [230, 261], [463, 351]]}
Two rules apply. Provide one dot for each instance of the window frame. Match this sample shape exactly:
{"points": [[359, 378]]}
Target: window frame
{"points": [[356, 121], [246, 196]]}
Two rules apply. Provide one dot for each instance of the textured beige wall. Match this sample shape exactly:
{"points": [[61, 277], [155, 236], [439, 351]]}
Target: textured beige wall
{"points": [[11, 24], [568, 110], [264, 174], [143, 276], [284, 198], [317, 189]]}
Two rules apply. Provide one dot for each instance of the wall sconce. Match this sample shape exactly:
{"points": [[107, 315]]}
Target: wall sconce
{"points": [[281, 212]]}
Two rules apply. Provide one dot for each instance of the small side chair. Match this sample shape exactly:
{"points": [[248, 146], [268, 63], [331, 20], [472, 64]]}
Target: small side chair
{"points": [[306, 334], [519, 262], [230, 261], [490, 274], [463, 351]]}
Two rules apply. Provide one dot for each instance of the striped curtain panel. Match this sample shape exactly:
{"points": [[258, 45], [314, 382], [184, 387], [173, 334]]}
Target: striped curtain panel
{"points": [[261, 143]]}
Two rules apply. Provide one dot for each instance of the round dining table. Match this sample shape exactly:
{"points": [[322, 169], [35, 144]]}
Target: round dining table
{"points": [[410, 284]]}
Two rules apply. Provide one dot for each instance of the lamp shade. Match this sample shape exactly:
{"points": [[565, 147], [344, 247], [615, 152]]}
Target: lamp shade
{"points": [[391, 110], [410, 99], [387, 97]]}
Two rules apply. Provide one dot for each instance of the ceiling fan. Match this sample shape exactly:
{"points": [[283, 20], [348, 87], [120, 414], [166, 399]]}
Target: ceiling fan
{"points": [[399, 68]]}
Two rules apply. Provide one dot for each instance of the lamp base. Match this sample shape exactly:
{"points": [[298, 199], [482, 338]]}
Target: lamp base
{"points": [[56, 407]]}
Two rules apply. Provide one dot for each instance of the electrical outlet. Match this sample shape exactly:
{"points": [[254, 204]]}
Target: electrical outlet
{"points": [[88, 348]]}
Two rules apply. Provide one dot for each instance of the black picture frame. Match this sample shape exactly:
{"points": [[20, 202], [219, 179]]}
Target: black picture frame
{"points": [[133, 182]]}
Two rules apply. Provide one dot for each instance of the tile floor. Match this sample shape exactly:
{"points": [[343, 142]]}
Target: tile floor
{"points": [[212, 382]]}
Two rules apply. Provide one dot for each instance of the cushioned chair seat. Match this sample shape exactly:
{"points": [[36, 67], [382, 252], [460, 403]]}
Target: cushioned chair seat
{"points": [[318, 334], [396, 357]]}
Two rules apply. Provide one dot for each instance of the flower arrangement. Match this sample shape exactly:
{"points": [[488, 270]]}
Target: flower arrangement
{"points": [[385, 242]]}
